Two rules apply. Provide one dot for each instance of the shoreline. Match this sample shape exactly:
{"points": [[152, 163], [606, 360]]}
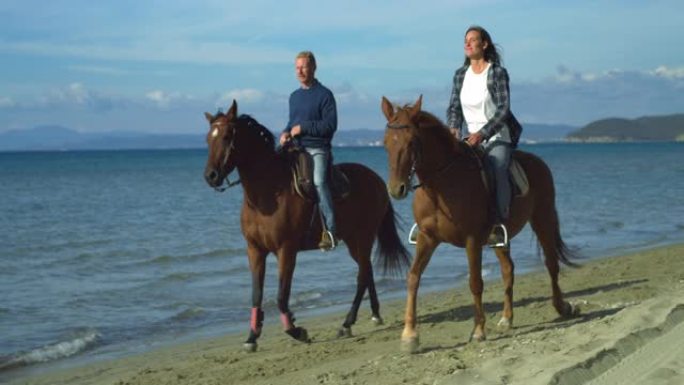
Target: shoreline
{"points": [[619, 296]]}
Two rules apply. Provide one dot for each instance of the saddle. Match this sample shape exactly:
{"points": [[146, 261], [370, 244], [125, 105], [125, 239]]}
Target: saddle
{"points": [[302, 177], [519, 183]]}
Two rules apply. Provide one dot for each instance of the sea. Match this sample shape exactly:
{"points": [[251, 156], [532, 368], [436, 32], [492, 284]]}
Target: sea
{"points": [[107, 254]]}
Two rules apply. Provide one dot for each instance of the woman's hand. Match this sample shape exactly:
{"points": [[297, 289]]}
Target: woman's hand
{"points": [[475, 139]]}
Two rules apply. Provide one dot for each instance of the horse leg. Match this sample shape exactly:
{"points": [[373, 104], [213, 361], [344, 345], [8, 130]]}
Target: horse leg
{"points": [[257, 266], [474, 253], [375, 304], [361, 255], [424, 249], [286, 265], [361, 285], [506, 264], [545, 225]]}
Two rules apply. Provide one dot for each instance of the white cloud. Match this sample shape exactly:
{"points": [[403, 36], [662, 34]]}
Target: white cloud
{"points": [[6, 102], [245, 95], [74, 93], [670, 73], [164, 99]]}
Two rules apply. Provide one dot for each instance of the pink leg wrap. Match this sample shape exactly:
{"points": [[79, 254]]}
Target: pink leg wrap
{"points": [[286, 321], [254, 323]]}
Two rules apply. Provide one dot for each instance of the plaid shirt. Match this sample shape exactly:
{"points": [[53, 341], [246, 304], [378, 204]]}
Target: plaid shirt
{"points": [[497, 84]]}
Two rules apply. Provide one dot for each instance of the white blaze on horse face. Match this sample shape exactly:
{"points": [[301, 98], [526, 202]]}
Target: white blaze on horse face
{"points": [[215, 132]]}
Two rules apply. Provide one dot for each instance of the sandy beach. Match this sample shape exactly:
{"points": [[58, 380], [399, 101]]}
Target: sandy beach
{"points": [[630, 331]]}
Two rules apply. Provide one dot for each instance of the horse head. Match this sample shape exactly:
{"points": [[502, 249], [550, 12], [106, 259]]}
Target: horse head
{"points": [[402, 144], [235, 142], [221, 144]]}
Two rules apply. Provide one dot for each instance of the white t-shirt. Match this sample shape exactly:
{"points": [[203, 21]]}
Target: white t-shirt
{"points": [[477, 104]]}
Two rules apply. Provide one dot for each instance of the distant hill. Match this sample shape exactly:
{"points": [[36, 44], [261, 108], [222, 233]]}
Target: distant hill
{"points": [[661, 128], [58, 138]]}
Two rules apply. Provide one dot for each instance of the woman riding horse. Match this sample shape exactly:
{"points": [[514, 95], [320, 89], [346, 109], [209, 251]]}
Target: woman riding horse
{"points": [[452, 206]]}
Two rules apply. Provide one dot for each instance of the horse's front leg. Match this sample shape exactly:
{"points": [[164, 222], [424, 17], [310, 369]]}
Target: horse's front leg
{"points": [[257, 266], [506, 264], [424, 249], [287, 258], [474, 252]]}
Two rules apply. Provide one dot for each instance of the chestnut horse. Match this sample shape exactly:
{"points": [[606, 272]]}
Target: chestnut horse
{"points": [[452, 205], [275, 219]]}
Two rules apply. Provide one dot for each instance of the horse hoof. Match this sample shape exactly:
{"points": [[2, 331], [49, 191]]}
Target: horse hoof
{"points": [[299, 334], [377, 320], [477, 336], [249, 347], [571, 310], [504, 323], [410, 345], [344, 332]]}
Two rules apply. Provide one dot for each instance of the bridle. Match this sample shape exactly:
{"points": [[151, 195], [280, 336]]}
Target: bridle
{"points": [[226, 158], [415, 146]]}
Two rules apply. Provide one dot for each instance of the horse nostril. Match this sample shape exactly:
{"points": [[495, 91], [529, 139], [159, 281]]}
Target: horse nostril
{"points": [[211, 176], [402, 190]]}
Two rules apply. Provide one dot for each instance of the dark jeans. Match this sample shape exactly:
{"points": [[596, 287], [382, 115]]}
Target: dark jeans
{"points": [[497, 161]]}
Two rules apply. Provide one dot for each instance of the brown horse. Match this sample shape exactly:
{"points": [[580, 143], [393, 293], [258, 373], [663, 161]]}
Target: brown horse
{"points": [[275, 219], [452, 206]]}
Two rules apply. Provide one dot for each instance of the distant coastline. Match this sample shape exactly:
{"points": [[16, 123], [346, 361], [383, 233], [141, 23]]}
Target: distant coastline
{"points": [[59, 138]]}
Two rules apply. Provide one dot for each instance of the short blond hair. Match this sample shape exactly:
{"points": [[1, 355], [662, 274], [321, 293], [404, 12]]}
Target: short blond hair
{"points": [[308, 55]]}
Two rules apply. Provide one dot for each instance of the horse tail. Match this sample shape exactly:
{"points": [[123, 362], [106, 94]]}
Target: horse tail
{"points": [[565, 255], [391, 253]]}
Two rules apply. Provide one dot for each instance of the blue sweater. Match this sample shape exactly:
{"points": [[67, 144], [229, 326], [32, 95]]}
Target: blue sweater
{"points": [[315, 111]]}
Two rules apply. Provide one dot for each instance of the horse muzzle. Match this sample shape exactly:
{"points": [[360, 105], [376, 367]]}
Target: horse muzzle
{"points": [[398, 190], [213, 177]]}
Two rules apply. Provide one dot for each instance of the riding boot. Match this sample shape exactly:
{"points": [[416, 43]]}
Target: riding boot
{"points": [[328, 241]]}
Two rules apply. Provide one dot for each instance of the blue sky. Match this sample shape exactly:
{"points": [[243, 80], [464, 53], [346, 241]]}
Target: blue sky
{"points": [[158, 65]]}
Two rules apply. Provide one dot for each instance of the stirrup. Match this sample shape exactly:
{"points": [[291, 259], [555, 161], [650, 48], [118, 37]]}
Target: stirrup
{"points": [[495, 241], [328, 241], [413, 234]]}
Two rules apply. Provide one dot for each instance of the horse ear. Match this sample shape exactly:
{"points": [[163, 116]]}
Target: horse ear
{"points": [[232, 111], [209, 116], [387, 109], [416, 107]]}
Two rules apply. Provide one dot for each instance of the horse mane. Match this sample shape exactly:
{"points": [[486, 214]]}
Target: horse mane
{"points": [[256, 128], [259, 129], [428, 121]]}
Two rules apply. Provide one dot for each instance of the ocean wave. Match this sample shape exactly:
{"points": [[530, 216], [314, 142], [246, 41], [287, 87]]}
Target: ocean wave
{"points": [[51, 352], [165, 259], [188, 314]]}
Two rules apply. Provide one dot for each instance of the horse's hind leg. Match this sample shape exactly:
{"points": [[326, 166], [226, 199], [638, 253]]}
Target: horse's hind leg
{"points": [[506, 264], [257, 266], [545, 225], [364, 280]]}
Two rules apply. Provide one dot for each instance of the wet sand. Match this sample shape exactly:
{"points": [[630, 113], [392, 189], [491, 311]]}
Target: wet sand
{"points": [[630, 331]]}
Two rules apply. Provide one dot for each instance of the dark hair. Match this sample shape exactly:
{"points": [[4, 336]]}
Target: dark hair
{"points": [[490, 54]]}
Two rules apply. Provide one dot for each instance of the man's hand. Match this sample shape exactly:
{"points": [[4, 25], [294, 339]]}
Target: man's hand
{"points": [[475, 139], [284, 138], [296, 130]]}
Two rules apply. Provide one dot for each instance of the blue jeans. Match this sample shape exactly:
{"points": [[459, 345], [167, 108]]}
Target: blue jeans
{"points": [[321, 158], [497, 161]]}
